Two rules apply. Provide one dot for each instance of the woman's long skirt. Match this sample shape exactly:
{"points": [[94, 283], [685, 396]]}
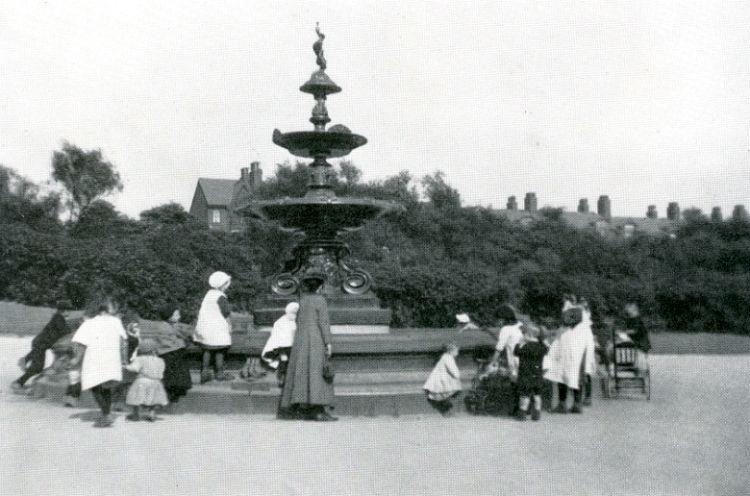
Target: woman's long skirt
{"points": [[177, 379]]}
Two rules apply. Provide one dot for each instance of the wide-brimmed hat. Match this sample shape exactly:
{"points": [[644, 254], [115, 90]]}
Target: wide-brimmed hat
{"points": [[218, 279]]}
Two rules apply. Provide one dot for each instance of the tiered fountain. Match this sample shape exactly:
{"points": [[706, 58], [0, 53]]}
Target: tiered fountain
{"points": [[323, 218]]}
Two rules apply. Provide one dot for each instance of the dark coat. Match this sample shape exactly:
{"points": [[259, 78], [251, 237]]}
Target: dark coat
{"points": [[304, 377]]}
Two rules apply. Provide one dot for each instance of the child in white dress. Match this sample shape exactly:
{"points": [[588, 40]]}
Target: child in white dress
{"points": [[444, 382], [147, 391]]}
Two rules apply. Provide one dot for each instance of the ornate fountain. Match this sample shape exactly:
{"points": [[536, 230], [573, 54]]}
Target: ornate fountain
{"points": [[323, 217]]}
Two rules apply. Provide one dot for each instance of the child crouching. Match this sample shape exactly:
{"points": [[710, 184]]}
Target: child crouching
{"points": [[530, 352], [444, 382], [147, 391]]}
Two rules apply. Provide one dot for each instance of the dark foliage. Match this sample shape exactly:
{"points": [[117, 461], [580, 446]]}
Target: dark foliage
{"points": [[431, 259]]}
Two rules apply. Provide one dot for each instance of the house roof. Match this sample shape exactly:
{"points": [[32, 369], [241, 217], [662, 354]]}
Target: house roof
{"points": [[581, 220], [645, 224], [218, 192]]}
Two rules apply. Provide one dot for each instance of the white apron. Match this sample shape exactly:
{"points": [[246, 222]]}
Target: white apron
{"points": [[212, 329]]}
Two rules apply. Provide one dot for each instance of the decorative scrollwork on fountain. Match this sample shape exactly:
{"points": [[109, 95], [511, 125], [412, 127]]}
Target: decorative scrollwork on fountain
{"points": [[328, 257]]}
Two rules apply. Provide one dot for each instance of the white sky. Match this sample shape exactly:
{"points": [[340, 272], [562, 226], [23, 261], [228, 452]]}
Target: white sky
{"points": [[642, 100]]}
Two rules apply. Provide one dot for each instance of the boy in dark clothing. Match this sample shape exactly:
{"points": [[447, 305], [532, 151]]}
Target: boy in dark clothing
{"points": [[530, 352], [33, 362]]}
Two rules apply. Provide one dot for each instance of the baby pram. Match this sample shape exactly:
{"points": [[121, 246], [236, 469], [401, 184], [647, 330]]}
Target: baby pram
{"points": [[492, 391]]}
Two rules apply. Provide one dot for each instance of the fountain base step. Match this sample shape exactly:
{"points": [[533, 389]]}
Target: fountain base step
{"points": [[351, 329]]}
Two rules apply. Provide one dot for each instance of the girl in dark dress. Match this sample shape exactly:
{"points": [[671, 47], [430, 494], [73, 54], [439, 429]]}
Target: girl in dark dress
{"points": [[173, 338]]}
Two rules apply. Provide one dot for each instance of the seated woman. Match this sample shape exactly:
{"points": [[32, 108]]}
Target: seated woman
{"points": [[172, 340], [636, 331]]}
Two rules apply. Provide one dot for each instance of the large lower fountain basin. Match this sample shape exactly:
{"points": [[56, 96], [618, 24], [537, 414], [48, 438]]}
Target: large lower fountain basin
{"points": [[317, 213]]}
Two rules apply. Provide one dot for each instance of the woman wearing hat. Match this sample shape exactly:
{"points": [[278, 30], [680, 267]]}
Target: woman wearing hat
{"points": [[213, 331], [306, 391]]}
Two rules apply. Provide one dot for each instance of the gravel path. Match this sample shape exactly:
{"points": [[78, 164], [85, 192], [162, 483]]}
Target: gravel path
{"points": [[691, 438]]}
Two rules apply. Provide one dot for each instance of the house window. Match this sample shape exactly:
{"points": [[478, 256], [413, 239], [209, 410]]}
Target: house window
{"points": [[216, 216]]}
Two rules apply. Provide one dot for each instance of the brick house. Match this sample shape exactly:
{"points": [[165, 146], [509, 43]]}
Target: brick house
{"points": [[213, 199]]}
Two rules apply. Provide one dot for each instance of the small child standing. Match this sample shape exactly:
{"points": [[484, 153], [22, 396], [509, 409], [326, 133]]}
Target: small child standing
{"points": [[444, 382], [147, 391], [530, 352], [213, 331]]}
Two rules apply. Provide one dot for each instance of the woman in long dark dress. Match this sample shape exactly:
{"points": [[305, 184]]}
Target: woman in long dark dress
{"points": [[172, 339], [306, 392]]}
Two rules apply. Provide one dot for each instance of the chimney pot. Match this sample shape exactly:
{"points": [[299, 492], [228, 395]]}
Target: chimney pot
{"points": [[244, 173], [512, 203], [583, 205], [529, 203], [604, 207], [739, 213], [716, 215], [651, 213], [673, 211]]}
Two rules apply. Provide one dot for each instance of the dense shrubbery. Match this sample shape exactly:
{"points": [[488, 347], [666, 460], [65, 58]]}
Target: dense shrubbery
{"points": [[430, 260]]}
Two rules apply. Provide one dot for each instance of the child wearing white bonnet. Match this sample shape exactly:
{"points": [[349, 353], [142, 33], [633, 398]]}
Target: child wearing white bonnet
{"points": [[279, 345], [213, 330]]}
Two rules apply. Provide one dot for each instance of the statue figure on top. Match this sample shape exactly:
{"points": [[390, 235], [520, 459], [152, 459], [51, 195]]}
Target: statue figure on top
{"points": [[318, 48]]}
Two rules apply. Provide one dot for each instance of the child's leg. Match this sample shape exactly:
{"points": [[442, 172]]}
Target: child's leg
{"points": [[587, 390], [136, 415], [523, 407], [219, 362], [103, 398], [149, 412], [577, 395], [536, 412], [562, 397], [206, 366]]}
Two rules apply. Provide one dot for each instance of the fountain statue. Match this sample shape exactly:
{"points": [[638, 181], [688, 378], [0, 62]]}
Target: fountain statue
{"points": [[323, 217]]}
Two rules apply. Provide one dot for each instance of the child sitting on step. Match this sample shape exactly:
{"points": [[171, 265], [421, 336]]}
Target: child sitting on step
{"points": [[444, 382], [147, 391]]}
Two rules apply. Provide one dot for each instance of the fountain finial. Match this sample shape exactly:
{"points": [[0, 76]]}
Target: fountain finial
{"points": [[318, 48]]}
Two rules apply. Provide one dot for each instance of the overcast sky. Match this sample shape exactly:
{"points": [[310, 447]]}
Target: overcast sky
{"points": [[642, 100]]}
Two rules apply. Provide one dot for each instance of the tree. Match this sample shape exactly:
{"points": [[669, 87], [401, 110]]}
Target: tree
{"points": [[169, 213], [440, 193], [20, 202], [85, 175]]}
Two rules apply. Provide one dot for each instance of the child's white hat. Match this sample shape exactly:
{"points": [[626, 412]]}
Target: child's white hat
{"points": [[218, 279], [463, 318]]}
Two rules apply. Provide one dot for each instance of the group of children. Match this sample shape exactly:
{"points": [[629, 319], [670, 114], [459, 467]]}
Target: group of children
{"points": [[112, 360], [532, 359]]}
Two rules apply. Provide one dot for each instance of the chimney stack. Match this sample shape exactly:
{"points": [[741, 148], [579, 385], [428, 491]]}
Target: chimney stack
{"points": [[256, 175], [604, 207], [512, 203], [651, 212], [739, 213], [673, 211], [529, 203], [244, 174], [716, 214], [583, 205]]}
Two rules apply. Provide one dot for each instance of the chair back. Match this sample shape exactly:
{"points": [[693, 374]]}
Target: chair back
{"points": [[625, 354]]}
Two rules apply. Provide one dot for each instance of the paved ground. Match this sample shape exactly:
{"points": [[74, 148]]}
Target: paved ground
{"points": [[692, 438]]}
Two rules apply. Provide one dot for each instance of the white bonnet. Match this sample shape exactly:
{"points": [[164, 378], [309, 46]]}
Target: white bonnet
{"points": [[218, 279], [292, 308]]}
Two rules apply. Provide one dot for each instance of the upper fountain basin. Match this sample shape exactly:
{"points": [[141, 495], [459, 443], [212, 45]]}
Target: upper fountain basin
{"points": [[311, 144]]}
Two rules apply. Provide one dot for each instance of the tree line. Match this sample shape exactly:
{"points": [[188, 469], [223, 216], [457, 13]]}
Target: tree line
{"points": [[430, 260]]}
